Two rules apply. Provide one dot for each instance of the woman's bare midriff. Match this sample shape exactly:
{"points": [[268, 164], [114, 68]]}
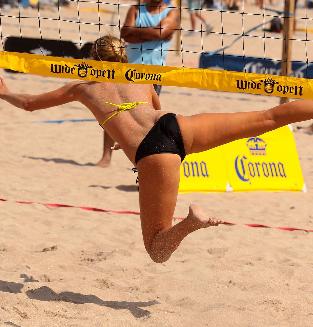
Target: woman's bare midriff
{"points": [[136, 123], [130, 141]]}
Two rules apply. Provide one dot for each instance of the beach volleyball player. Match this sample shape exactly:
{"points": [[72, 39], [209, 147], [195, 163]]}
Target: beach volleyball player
{"points": [[157, 141]]}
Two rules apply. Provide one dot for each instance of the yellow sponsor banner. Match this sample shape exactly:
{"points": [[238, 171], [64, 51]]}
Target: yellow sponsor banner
{"points": [[102, 71], [268, 162], [204, 172]]}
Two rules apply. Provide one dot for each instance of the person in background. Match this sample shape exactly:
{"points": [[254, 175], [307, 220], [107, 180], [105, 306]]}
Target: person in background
{"points": [[194, 7], [232, 5], [111, 47], [148, 29], [260, 3], [108, 144]]}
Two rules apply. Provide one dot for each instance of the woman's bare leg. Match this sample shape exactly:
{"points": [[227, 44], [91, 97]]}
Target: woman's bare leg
{"points": [[158, 188], [205, 131], [159, 174]]}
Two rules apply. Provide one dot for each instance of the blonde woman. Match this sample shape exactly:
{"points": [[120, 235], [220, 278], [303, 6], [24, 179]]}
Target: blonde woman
{"points": [[108, 142], [157, 141]]}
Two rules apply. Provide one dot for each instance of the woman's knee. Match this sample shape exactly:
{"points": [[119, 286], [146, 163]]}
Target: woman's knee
{"points": [[156, 257], [157, 250]]}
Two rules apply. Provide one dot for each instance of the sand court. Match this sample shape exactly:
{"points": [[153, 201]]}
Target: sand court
{"points": [[65, 266], [73, 267]]}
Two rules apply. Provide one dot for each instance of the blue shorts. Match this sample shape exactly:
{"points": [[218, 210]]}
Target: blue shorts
{"points": [[194, 5]]}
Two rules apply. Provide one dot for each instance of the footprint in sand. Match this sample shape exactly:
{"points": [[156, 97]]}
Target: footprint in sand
{"points": [[9, 323], [104, 284], [50, 248], [103, 256], [44, 278], [273, 304], [217, 252], [28, 279]]}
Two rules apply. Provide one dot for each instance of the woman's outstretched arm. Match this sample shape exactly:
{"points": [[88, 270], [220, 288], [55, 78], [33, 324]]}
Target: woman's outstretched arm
{"points": [[64, 94]]}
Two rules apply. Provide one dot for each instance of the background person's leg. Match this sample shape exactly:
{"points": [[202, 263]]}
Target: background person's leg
{"points": [[208, 27], [191, 14], [192, 21], [108, 143]]}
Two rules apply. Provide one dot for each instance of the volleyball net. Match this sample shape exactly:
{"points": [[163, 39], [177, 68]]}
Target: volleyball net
{"points": [[232, 47]]}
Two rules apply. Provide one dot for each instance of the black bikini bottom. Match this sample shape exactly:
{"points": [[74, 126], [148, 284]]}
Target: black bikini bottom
{"points": [[163, 137]]}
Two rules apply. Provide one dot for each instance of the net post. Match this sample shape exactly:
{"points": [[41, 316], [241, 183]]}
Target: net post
{"points": [[289, 11]]}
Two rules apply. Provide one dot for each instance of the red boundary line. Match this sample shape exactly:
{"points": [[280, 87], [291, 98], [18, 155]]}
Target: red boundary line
{"points": [[137, 213]]}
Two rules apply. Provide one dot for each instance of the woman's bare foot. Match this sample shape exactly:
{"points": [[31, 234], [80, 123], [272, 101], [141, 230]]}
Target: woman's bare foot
{"points": [[103, 163], [199, 220]]}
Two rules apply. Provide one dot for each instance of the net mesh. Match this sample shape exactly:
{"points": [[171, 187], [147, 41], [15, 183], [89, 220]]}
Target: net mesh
{"points": [[242, 31]]}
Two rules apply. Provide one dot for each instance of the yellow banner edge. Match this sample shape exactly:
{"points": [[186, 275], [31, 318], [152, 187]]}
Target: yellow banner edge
{"points": [[214, 80]]}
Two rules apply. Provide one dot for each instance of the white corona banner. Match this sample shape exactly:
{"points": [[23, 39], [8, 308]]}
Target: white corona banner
{"points": [[268, 162]]}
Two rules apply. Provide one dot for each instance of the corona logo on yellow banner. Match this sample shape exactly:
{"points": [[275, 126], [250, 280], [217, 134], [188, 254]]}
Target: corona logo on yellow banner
{"points": [[266, 162], [249, 167], [103, 71], [203, 172]]}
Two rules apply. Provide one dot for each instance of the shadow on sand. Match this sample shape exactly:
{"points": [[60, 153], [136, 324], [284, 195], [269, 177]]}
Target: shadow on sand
{"points": [[45, 293], [61, 161], [124, 188]]}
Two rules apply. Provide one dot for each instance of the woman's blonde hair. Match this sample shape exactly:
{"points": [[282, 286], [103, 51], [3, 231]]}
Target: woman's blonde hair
{"points": [[109, 48]]}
